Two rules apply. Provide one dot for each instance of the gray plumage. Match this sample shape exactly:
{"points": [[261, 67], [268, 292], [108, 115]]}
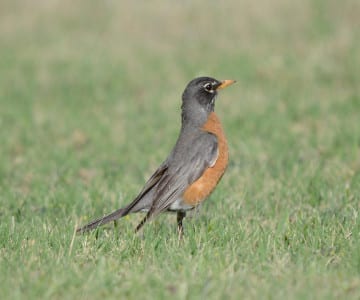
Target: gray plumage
{"points": [[194, 152]]}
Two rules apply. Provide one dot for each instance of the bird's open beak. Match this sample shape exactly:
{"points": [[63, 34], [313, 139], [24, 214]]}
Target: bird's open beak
{"points": [[225, 83]]}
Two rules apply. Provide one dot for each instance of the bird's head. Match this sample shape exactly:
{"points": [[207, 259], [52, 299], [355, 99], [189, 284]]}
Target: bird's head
{"points": [[198, 99]]}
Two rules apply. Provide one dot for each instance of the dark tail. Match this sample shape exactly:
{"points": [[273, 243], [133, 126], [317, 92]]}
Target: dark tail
{"points": [[122, 212]]}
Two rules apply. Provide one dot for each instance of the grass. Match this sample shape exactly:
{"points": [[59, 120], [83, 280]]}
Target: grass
{"points": [[89, 106]]}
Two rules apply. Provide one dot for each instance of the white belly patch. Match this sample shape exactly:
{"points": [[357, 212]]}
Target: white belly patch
{"points": [[180, 205]]}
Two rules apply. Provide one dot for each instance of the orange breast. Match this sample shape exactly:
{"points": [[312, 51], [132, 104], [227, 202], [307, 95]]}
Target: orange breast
{"points": [[204, 185]]}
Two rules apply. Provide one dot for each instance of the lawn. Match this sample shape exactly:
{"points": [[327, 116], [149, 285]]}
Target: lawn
{"points": [[90, 96]]}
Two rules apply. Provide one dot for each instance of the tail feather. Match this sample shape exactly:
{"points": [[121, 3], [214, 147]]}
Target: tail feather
{"points": [[103, 220]]}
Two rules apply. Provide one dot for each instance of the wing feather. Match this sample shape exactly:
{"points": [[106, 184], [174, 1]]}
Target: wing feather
{"points": [[184, 170]]}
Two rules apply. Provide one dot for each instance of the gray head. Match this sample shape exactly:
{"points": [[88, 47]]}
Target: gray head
{"points": [[198, 99]]}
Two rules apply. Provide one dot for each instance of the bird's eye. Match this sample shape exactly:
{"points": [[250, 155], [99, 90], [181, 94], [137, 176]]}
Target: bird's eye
{"points": [[208, 87]]}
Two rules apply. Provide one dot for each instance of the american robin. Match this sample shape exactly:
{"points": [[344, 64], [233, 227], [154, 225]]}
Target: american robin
{"points": [[195, 165]]}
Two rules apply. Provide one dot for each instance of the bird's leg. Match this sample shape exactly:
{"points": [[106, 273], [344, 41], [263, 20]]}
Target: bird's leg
{"points": [[180, 216], [143, 221]]}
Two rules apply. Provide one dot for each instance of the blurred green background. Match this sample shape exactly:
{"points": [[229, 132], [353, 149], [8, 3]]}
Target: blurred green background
{"points": [[90, 95]]}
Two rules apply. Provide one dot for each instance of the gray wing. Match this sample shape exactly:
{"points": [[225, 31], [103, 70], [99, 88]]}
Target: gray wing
{"points": [[184, 167], [143, 200], [186, 164]]}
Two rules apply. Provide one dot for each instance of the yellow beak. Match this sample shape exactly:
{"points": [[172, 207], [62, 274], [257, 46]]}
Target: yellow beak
{"points": [[225, 83]]}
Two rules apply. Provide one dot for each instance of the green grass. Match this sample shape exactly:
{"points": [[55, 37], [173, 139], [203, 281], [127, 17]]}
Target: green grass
{"points": [[89, 107]]}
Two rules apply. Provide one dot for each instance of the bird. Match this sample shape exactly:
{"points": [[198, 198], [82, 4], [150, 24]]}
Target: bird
{"points": [[193, 168]]}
